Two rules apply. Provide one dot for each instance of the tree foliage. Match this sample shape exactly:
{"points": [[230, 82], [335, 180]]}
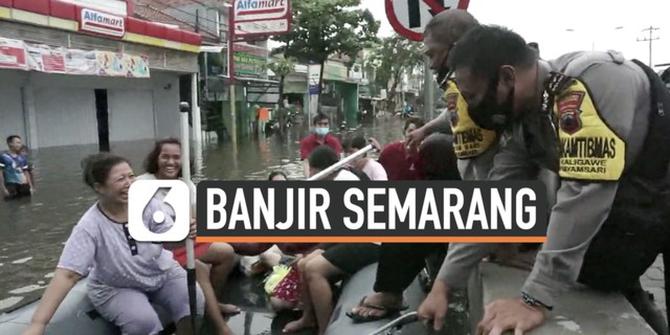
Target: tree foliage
{"points": [[322, 28], [282, 67], [394, 56]]}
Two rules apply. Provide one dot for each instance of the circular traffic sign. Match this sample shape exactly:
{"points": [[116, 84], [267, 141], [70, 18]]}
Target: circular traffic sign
{"points": [[409, 17]]}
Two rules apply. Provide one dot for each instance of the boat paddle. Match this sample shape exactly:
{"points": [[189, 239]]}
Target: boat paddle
{"points": [[397, 323], [184, 108]]}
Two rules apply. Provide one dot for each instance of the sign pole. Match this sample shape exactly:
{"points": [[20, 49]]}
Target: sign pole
{"points": [[231, 72], [428, 90]]}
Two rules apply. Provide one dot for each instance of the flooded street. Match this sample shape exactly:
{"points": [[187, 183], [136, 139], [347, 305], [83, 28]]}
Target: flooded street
{"points": [[34, 231]]}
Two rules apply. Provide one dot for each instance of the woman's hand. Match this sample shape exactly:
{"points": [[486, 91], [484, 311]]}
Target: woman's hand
{"points": [[194, 229]]}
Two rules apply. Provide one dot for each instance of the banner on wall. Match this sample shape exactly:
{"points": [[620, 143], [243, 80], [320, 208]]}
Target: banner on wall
{"points": [[121, 65], [12, 54], [16, 54], [81, 62], [45, 59]]}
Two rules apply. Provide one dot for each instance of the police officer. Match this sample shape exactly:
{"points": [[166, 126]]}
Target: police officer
{"points": [[473, 146], [594, 119]]}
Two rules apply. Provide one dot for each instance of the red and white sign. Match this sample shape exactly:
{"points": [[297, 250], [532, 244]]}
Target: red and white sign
{"points": [[98, 22], [261, 17], [46, 59], [409, 17], [12, 54]]}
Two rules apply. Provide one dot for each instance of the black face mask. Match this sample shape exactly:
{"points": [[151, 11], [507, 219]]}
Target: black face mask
{"points": [[491, 116]]}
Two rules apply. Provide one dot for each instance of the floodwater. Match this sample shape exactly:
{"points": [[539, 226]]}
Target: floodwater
{"points": [[33, 231]]}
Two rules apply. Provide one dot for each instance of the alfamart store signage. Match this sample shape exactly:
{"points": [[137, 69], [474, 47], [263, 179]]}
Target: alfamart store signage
{"points": [[19, 55], [98, 22]]}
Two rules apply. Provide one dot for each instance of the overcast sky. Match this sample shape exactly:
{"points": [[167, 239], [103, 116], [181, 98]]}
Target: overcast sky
{"points": [[593, 23]]}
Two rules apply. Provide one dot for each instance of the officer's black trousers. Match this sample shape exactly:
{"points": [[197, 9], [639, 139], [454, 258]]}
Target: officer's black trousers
{"points": [[400, 263]]}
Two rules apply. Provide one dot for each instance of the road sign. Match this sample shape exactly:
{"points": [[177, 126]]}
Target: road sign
{"points": [[261, 17], [410, 17]]}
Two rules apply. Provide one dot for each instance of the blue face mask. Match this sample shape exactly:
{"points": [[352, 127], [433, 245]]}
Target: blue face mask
{"points": [[321, 131]]}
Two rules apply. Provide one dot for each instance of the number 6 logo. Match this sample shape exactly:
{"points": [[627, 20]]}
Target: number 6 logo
{"points": [[177, 197]]}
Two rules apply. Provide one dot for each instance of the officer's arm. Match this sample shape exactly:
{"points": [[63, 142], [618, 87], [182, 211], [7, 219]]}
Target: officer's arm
{"points": [[509, 162], [440, 122], [581, 205]]}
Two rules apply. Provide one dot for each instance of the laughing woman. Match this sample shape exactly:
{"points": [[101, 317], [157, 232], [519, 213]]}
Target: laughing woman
{"points": [[124, 274], [214, 261]]}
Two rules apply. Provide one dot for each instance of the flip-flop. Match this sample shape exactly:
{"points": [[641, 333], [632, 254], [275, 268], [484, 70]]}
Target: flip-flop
{"points": [[386, 312]]}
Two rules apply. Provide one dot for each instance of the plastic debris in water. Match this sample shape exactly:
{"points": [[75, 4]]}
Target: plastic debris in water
{"points": [[22, 260], [9, 302], [26, 289]]}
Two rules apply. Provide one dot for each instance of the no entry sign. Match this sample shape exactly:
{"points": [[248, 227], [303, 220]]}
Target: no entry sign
{"points": [[410, 17]]}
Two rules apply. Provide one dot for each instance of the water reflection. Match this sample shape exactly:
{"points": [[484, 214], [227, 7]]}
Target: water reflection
{"points": [[34, 230]]}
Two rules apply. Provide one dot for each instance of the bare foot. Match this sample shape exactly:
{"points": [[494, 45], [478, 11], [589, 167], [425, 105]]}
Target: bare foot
{"points": [[298, 325], [228, 309]]}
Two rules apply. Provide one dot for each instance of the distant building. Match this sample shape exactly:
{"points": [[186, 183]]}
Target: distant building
{"points": [[90, 72]]}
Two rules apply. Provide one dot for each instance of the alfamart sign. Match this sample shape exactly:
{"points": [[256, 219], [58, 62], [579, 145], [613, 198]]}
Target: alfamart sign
{"points": [[267, 6], [98, 22], [261, 17]]}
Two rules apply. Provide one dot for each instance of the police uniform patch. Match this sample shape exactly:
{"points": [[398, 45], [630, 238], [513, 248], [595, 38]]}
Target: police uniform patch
{"points": [[569, 114], [589, 148]]}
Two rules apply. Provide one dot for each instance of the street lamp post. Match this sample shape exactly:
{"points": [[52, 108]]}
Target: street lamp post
{"points": [[231, 72]]}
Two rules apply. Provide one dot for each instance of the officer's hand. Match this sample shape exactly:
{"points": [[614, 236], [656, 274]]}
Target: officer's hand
{"points": [[5, 192], [34, 329], [435, 307], [194, 228], [415, 138], [375, 143], [510, 314]]}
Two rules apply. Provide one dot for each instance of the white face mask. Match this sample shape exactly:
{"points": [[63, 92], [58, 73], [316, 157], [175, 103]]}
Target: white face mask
{"points": [[321, 131]]}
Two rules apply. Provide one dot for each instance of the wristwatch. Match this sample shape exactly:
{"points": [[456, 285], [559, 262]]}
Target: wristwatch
{"points": [[530, 301]]}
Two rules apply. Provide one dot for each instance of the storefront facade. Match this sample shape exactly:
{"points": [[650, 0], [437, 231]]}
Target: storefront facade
{"points": [[72, 75]]}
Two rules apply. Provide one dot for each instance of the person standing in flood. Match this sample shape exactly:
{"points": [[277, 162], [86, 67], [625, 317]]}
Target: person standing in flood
{"points": [[124, 275], [321, 136], [15, 180], [214, 261]]}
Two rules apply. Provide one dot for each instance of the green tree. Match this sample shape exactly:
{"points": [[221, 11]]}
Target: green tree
{"points": [[281, 67], [394, 56], [322, 28]]}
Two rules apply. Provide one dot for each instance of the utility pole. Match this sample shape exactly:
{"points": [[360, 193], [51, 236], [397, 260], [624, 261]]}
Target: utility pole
{"points": [[428, 90], [650, 39]]}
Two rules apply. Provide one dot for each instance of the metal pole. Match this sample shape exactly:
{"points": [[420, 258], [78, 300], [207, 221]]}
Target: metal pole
{"points": [[190, 245], [428, 87], [197, 123], [341, 163], [231, 74], [651, 35], [397, 323]]}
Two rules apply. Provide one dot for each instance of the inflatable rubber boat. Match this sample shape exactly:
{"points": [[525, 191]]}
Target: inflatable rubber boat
{"points": [[76, 315]]}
